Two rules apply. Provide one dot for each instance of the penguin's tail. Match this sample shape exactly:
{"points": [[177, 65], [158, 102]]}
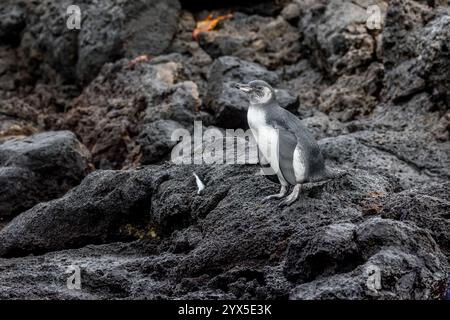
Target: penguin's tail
{"points": [[334, 173], [327, 174]]}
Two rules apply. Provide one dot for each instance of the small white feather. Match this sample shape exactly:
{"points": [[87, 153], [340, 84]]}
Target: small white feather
{"points": [[200, 184]]}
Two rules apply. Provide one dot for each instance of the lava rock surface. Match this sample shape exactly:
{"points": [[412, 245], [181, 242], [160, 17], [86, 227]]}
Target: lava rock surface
{"points": [[86, 124]]}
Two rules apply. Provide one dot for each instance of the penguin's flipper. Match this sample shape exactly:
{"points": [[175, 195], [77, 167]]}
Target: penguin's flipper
{"points": [[287, 142]]}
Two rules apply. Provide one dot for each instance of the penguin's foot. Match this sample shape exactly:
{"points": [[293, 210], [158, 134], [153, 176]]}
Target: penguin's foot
{"points": [[280, 195], [292, 197]]}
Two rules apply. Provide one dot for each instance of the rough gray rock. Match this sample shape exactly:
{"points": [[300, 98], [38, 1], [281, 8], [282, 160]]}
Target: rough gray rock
{"points": [[428, 207], [134, 28], [321, 126], [223, 244], [339, 261], [415, 47], [155, 140], [149, 26], [18, 191], [8, 69], [306, 81], [336, 34], [391, 153], [268, 41], [12, 22], [403, 22], [378, 99], [418, 114], [39, 168], [110, 30], [353, 96], [420, 151], [228, 104], [95, 212], [111, 112]]}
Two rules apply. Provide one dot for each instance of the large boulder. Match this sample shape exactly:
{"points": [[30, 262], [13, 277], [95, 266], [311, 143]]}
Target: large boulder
{"points": [[404, 21], [420, 151], [390, 153], [39, 168], [415, 49], [416, 115], [156, 141], [379, 258], [19, 191], [427, 206], [99, 210], [109, 30], [335, 33]]}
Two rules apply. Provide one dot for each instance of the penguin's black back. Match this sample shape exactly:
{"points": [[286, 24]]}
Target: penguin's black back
{"points": [[293, 133]]}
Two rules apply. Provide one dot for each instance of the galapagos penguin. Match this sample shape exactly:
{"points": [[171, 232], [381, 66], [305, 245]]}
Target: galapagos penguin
{"points": [[283, 141]]}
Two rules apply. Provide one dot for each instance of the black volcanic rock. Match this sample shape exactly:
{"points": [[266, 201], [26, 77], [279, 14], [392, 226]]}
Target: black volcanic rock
{"points": [[224, 243], [376, 99], [122, 102], [110, 30], [395, 265], [352, 253], [95, 212], [155, 140], [420, 62], [39, 168], [19, 191], [428, 207], [12, 22], [335, 32], [271, 42], [150, 26]]}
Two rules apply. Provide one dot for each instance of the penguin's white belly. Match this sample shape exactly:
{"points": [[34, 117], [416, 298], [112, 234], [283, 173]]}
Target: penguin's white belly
{"points": [[266, 138]]}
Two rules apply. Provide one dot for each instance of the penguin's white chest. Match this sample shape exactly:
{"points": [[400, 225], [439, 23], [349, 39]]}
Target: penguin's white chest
{"points": [[266, 137]]}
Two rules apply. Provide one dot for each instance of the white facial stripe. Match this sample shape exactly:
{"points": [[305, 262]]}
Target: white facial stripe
{"points": [[266, 95]]}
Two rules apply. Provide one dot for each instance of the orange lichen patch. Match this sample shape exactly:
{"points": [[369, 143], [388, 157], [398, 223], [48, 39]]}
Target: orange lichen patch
{"points": [[208, 24], [137, 60]]}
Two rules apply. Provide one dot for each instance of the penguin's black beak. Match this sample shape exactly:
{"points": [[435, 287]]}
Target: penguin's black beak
{"points": [[243, 87]]}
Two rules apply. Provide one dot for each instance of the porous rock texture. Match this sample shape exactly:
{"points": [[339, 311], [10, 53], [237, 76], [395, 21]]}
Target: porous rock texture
{"points": [[86, 124], [39, 168]]}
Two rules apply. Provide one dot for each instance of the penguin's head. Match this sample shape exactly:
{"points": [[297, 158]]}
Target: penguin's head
{"points": [[259, 92]]}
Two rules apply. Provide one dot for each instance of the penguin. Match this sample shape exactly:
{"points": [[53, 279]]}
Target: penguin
{"points": [[284, 142]]}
